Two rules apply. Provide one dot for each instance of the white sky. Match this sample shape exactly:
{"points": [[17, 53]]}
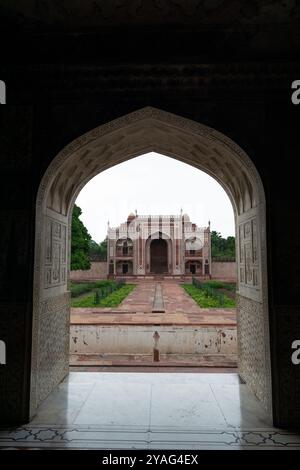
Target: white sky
{"points": [[154, 184]]}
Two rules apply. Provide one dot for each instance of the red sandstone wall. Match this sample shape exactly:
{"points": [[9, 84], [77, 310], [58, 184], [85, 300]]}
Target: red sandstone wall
{"points": [[223, 270], [98, 271]]}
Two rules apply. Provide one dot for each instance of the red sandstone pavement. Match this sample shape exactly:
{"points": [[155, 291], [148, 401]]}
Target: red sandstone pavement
{"points": [[136, 309]]}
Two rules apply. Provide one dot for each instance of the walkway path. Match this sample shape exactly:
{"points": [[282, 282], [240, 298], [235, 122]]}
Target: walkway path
{"points": [[180, 309]]}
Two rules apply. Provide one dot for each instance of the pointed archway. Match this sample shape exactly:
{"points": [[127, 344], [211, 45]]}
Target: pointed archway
{"points": [[202, 147], [159, 256]]}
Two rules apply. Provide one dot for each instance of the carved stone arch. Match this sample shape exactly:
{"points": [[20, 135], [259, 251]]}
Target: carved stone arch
{"points": [[146, 130]]}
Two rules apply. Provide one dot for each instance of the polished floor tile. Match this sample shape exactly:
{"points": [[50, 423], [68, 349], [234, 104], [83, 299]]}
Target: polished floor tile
{"points": [[185, 405], [240, 407], [63, 405], [154, 378], [117, 404], [94, 410]]}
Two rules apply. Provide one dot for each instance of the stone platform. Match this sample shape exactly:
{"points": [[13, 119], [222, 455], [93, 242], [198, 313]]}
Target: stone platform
{"points": [[144, 362]]}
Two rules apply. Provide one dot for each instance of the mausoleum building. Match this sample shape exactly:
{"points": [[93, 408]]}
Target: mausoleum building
{"points": [[158, 245]]}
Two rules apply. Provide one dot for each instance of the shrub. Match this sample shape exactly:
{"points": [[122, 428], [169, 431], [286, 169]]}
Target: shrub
{"points": [[207, 297], [111, 300], [82, 288], [221, 285]]}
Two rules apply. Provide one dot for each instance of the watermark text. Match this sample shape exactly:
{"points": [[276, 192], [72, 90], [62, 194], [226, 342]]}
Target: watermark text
{"points": [[2, 92], [296, 354], [296, 94], [2, 353]]}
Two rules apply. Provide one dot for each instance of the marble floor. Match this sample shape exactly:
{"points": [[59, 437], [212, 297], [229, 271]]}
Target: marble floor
{"points": [[108, 410]]}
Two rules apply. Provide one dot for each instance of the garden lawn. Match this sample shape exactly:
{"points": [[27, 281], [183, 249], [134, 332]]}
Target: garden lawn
{"points": [[112, 300], [204, 301]]}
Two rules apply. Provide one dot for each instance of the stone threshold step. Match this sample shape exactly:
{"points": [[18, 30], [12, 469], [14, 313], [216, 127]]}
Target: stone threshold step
{"points": [[145, 323], [210, 363], [155, 364], [155, 369]]}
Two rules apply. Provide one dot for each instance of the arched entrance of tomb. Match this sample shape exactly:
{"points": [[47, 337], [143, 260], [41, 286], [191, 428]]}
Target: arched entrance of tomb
{"points": [[132, 135], [159, 253], [158, 256]]}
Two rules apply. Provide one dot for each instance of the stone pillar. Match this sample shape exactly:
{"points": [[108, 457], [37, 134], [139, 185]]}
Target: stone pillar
{"points": [[52, 300], [253, 329]]}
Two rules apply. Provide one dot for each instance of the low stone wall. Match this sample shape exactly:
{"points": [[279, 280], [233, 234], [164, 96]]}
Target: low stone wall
{"points": [[98, 271], [220, 270], [223, 270], [136, 339]]}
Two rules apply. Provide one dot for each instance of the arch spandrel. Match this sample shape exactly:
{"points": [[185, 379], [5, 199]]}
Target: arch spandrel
{"points": [[151, 130]]}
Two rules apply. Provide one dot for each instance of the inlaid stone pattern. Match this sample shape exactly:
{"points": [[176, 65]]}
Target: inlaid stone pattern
{"points": [[252, 354], [56, 256], [53, 354], [248, 254], [139, 437]]}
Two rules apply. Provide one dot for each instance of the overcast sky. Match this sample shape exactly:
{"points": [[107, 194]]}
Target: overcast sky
{"points": [[154, 184]]}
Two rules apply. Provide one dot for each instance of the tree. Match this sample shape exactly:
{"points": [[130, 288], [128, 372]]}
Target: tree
{"points": [[94, 248], [103, 249], [222, 247], [80, 242], [98, 249]]}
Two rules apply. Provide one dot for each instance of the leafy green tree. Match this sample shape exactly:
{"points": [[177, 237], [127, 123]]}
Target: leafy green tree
{"points": [[98, 249], [103, 249], [222, 247], [94, 248], [80, 242], [231, 246]]}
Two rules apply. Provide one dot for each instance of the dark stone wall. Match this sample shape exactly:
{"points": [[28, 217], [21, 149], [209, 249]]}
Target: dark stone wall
{"points": [[62, 85], [16, 257]]}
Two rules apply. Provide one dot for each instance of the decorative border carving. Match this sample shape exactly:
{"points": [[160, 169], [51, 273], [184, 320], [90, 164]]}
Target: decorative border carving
{"points": [[248, 254], [55, 253]]}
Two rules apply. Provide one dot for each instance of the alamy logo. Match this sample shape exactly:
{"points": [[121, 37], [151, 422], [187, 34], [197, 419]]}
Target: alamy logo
{"points": [[296, 354], [296, 94], [2, 352], [2, 92]]}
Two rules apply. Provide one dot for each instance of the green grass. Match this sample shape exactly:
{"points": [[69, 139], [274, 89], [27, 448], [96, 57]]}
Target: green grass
{"points": [[112, 300], [84, 287], [204, 301]]}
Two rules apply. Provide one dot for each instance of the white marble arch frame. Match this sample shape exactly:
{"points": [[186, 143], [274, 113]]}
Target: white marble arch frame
{"points": [[182, 139]]}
